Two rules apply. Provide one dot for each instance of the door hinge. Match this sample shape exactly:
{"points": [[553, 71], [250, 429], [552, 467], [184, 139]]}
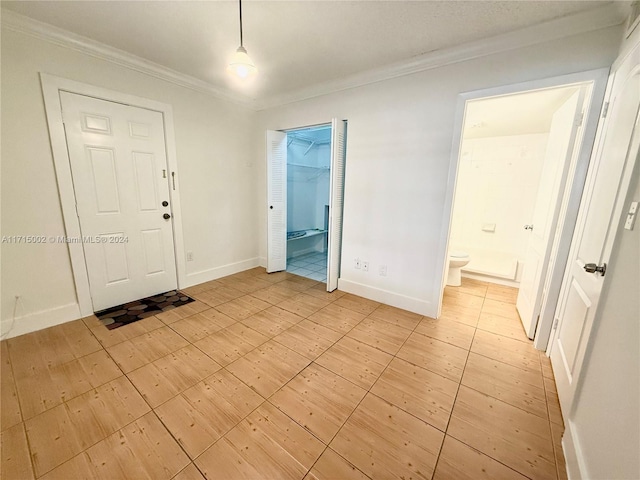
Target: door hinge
{"points": [[605, 110], [555, 324], [579, 120]]}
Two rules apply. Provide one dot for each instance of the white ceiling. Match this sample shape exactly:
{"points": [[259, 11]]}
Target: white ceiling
{"points": [[517, 114], [295, 44]]}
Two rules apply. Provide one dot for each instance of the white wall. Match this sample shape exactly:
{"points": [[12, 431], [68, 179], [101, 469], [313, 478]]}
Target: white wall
{"points": [[606, 416], [307, 193], [217, 180], [497, 184], [301, 197], [305, 182], [398, 158]]}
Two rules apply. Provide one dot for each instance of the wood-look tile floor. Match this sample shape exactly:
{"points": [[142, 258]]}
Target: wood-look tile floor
{"points": [[270, 376]]}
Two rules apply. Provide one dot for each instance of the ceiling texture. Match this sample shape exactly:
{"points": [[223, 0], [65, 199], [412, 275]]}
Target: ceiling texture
{"points": [[295, 44]]}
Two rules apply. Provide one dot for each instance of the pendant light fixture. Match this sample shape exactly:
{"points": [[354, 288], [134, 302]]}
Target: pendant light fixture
{"points": [[241, 65]]}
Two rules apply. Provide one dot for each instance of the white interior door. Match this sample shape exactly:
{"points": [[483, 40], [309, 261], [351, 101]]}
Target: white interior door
{"points": [[557, 161], [598, 219], [276, 201], [119, 168], [336, 201]]}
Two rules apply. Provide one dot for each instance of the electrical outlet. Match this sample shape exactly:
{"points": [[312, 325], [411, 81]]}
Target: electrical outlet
{"points": [[189, 256], [382, 270], [356, 264], [365, 266]]}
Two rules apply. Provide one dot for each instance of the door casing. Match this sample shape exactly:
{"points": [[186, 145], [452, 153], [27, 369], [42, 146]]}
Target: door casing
{"points": [[51, 88]]}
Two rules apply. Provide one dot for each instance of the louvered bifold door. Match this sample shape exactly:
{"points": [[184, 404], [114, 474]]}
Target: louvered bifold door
{"points": [[276, 201], [336, 200]]}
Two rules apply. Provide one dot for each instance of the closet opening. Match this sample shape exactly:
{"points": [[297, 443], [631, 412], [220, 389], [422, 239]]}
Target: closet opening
{"points": [[305, 189], [308, 182]]}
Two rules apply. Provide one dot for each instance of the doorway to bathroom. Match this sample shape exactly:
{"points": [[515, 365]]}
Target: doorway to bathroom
{"points": [[305, 185], [522, 157]]}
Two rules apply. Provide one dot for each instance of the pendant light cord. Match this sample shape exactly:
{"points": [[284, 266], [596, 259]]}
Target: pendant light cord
{"points": [[240, 5]]}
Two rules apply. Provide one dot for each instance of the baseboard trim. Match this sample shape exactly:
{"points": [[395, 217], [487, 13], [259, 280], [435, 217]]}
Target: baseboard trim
{"points": [[572, 454], [67, 313], [219, 272], [411, 304], [35, 321], [262, 261]]}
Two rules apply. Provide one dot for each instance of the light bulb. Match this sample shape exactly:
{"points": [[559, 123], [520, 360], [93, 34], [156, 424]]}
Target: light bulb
{"points": [[241, 65]]}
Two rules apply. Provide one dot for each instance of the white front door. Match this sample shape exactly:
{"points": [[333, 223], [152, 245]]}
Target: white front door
{"points": [[121, 182], [598, 219], [276, 201], [557, 161], [336, 200]]}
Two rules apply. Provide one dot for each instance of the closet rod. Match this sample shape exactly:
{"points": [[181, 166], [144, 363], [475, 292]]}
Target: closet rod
{"points": [[307, 140]]}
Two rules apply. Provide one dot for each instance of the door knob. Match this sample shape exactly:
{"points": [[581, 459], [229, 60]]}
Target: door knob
{"points": [[165, 204], [271, 207], [528, 227], [166, 216], [593, 268]]}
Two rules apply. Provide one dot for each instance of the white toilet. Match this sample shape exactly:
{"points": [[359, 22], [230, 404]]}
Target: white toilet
{"points": [[457, 260]]}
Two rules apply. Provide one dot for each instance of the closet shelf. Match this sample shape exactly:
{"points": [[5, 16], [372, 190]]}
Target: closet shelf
{"points": [[307, 234], [306, 166]]}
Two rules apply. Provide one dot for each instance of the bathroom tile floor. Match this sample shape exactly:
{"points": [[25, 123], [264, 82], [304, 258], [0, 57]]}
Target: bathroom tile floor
{"points": [[311, 265], [269, 376]]}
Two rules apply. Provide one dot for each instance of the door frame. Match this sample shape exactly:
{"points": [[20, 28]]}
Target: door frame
{"points": [[51, 88], [599, 78]]}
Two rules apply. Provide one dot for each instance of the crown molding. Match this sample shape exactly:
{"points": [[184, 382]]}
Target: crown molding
{"points": [[591, 20], [595, 19], [64, 38]]}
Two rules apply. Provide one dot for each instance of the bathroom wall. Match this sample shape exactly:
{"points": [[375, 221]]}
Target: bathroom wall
{"points": [[496, 190]]}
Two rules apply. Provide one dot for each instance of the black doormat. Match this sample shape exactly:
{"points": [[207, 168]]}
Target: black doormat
{"points": [[115, 317]]}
